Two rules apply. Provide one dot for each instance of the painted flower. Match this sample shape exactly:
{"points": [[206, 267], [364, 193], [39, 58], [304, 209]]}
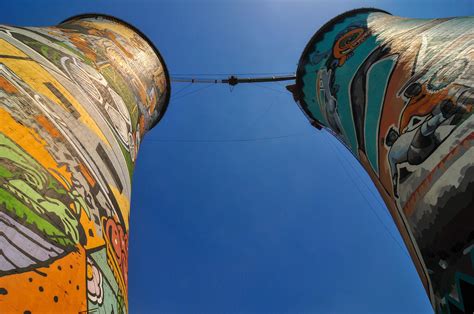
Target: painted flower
{"points": [[95, 292]]}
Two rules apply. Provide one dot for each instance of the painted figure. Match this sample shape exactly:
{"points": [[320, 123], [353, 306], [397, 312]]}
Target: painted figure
{"points": [[416, 145]]}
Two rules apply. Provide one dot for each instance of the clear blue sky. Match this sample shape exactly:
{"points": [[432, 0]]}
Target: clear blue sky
{"points": [[287, 225]]}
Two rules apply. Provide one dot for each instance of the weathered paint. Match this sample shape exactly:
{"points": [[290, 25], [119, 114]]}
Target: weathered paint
{"points": [[75, 103], [399, 94]]}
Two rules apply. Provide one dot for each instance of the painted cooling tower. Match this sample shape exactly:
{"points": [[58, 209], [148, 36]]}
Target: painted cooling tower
{"points": [[399, 94], [75, 102]]}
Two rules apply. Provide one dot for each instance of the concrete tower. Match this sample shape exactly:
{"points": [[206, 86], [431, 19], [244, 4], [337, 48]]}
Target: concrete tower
{"points": [[399, 94], [75, 102]]}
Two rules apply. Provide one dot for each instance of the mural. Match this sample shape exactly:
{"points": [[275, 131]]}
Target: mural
{"points": [[75, 103], [399, 94]]}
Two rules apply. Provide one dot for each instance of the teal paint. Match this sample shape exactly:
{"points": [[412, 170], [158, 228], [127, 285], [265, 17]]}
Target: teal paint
{"points": [[377, 83], [322, 48], [343, 79]]}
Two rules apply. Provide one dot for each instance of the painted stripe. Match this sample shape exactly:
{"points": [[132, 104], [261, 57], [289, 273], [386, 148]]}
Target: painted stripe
{"points": [[378, 78]]}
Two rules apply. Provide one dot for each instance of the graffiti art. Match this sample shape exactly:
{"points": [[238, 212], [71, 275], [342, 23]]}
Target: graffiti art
{"points": [[75, 102], [399, 94]]}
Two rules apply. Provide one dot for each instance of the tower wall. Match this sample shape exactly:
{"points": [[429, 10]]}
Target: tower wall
{"points": [[75, 102], [398, 93]]}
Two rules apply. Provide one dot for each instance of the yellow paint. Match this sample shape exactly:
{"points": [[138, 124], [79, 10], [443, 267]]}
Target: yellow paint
{"points": [[114, 27], [9, 50], [89, 272], [94, 240], [124, 205], [35, 76], [34, 145]]}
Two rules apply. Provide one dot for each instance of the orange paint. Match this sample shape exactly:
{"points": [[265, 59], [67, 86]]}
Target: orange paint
{"points": [[110, 35], [347, 43], [141, 124], [48, 126], [421, 105], [117, 253], [58, 288], [391, 110], [83, 46], [7, 86], [85, 172]]}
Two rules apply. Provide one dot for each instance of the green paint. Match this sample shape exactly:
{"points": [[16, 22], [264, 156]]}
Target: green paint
{"points": [[47, 206], [56, 187], [128, 159], [28, 185], [14, 206], [4, 172], [112, 300]]}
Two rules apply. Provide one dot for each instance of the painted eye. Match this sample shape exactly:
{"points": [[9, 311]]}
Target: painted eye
{"points": [[414, 89]]}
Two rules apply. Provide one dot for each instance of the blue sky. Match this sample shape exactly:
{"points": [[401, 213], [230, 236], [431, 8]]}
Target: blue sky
{"points": [[221, 225]]}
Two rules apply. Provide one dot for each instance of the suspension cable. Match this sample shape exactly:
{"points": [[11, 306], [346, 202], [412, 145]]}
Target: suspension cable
{"points": [[233, 80]]}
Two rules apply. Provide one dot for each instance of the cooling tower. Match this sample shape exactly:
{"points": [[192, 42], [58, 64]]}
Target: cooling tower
{"points": [[75, 102], [398, 93]]}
